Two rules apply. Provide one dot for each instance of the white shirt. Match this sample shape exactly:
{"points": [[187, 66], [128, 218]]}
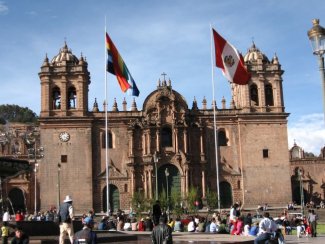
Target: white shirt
{"points": [[213, 227], [267, 225], [191, 227], [6, 216], [232, 214]]}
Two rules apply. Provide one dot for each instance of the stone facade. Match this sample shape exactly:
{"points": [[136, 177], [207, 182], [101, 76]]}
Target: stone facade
{"points": [[252, 151], [308, 170]]}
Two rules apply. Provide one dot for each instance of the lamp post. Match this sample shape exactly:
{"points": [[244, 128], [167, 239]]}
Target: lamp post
{"points": [[155, 160], [167, 196], [302, 202], [167, 174], [34, 152], [59, 190], [317, 38]]}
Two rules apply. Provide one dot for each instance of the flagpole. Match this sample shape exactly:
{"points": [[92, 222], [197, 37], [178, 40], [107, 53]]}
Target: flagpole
{"points": [[106, 129], [214, 120]]}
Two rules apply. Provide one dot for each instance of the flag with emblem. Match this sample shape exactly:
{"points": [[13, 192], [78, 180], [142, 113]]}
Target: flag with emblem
{"points": [[117, 67], [230, 61]]}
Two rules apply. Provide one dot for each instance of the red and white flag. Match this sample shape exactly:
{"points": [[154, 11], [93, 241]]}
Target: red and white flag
{"points": [[230, 61]]}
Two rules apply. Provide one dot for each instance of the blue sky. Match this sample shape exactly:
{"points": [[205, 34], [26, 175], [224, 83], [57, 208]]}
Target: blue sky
{"points": [[170, 36]]}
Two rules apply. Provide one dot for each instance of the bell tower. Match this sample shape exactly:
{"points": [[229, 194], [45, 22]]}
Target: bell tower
{"points": [[264, 92], [64, 85]]}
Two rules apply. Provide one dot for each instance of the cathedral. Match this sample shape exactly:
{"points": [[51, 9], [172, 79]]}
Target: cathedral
{"points": [[167, 144], [167, 135]]}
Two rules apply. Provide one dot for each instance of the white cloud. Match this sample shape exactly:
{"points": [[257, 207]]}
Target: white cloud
{"points": [[3, 8], [308, 132]]}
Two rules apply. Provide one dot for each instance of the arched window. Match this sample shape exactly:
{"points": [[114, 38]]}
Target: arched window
{"points": [[110, 140], [56, 98], [222, 138], [269, 95], [72, 98], [166, 137], [253, 95]]}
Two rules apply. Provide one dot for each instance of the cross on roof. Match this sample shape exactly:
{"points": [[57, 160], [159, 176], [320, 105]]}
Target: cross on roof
{"points": [[164, 75]]}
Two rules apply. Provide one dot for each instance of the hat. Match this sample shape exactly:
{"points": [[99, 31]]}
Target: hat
{"points": [[67, 199], [88, 221]]}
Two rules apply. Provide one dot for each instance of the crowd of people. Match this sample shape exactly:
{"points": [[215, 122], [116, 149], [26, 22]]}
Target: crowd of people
{"points": [[161, 225]]}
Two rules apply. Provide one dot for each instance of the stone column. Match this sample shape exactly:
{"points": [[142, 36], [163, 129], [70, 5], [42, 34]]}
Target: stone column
{"points": [[150, 183], [131, 143], [185, 140], [186, 182], [148, 142], [203, 183], [157, 139], [201, 144], [145, 184], [176, 139], [132, 182], [144, 144]]}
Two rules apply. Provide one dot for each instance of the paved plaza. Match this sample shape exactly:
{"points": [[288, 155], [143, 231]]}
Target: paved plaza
{"points": [[129, 237]]}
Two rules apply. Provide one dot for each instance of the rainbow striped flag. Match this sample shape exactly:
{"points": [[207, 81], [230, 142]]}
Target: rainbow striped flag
{"points": [[117, 67]]}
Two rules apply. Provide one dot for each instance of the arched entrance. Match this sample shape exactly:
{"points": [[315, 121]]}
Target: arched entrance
{"points": [[225, 194], [114, 198], [169, 173], [296, 196], [17, 200]]}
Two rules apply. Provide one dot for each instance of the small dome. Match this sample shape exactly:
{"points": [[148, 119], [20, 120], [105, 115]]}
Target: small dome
{"points": [[65, 54], [254, 54]]}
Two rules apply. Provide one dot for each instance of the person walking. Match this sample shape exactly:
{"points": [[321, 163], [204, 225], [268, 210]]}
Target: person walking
{"points": [[66, 217], [312, 220], [162, 233], [86, 235], [156, 212]]}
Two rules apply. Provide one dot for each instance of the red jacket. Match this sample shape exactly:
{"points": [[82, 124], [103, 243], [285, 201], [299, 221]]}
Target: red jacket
{"points": [[19, 217], [141, 226]]}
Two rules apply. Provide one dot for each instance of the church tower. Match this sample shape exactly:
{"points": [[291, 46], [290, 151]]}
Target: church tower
{"points": [[264, 92], [64, 85], [65, 131], [262, 132]]}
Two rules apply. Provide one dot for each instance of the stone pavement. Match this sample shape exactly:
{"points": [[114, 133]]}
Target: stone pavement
{"points": [[131, 237]]}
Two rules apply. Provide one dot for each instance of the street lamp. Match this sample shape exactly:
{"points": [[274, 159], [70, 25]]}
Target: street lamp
{"points": [[302, 202], [34, 152], [155, 160], [167, 197], [317, 38], [59, 193], [167, 174]]}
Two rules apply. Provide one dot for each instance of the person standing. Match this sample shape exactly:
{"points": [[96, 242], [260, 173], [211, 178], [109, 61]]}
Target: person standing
{"points": [[6, 216], [66, 217], [162, 233], [312, 220], [156, 212], [5, 233], [86, 235]]}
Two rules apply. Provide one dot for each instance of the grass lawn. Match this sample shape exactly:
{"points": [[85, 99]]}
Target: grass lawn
{"points": [[320, 229]]}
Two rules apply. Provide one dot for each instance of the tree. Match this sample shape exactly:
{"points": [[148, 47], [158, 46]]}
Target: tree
{"points": [[192, 196], [138, 202], [212, 199], [175, 201], [15, 113]]}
